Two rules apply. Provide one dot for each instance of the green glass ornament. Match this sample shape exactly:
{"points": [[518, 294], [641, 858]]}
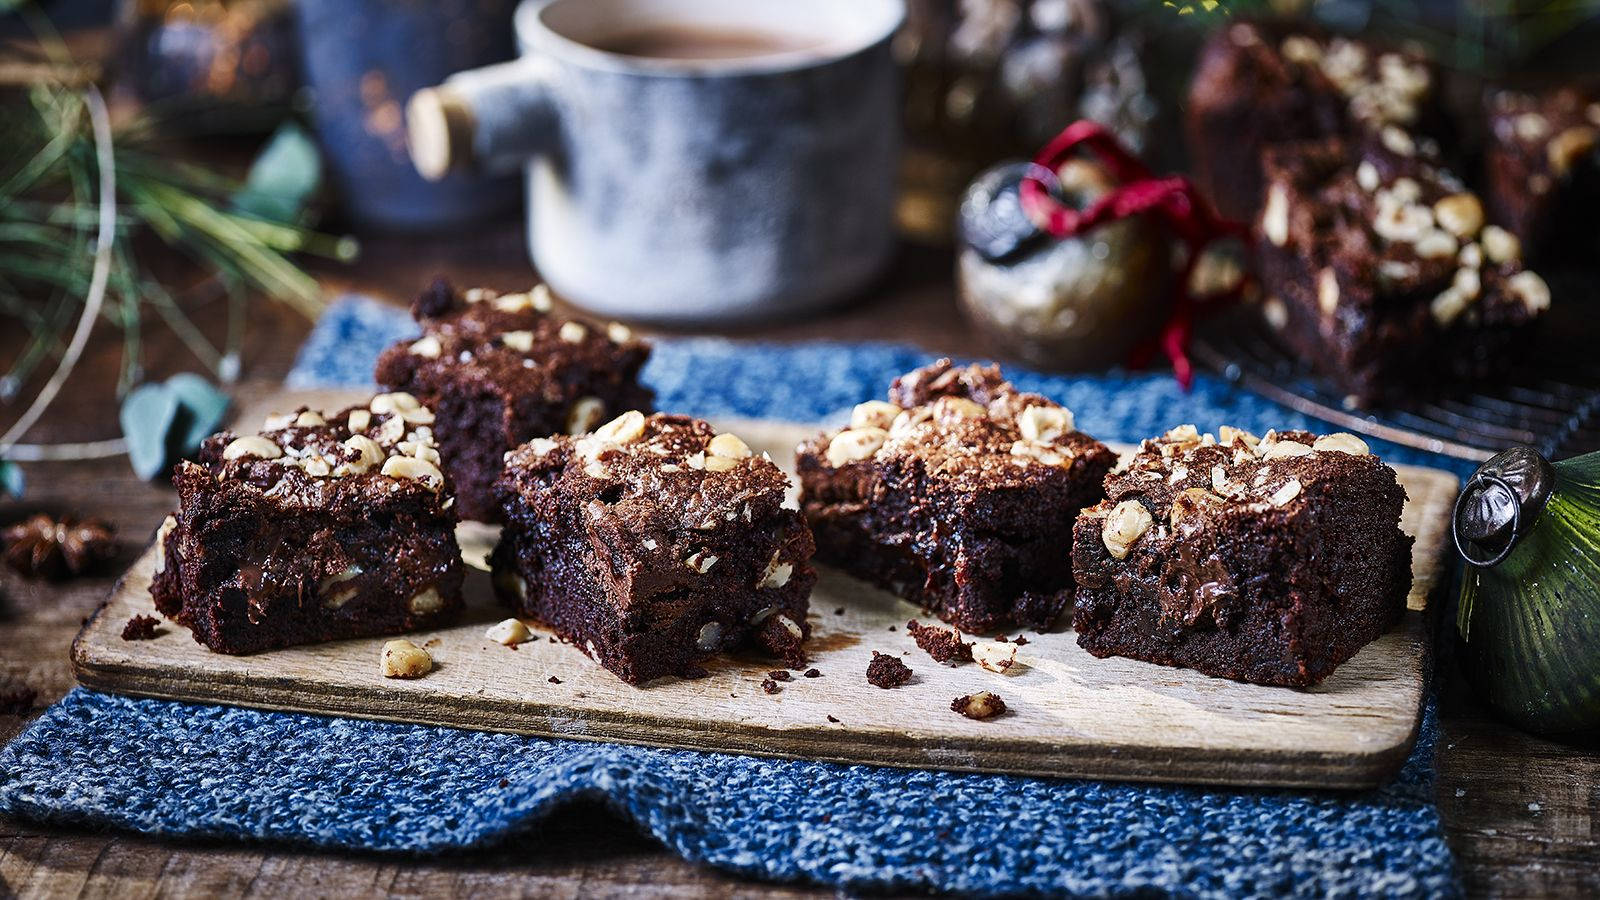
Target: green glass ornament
{"points": [[1529, 617]]}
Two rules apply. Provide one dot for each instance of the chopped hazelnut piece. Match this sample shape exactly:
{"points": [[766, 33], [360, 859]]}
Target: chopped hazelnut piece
{"points": [[982, 705], [251, 445], [403, 659], [1124, 525], [854, 445], [508, 632]]}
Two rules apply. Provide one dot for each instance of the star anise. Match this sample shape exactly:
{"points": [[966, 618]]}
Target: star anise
{"points": [[43, 546]]}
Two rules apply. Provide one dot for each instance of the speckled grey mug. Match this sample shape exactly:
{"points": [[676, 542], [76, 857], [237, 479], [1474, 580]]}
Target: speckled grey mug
{"points": [[689, 190]]}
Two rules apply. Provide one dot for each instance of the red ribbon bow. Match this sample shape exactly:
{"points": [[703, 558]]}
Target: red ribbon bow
{"points": [[1174, 198]]}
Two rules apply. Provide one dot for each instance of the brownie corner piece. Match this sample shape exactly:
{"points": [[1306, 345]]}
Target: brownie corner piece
{"points": [[1270, 560], [1385, 272], [501, 369], [1542, 172], [319, 527], [958, 493], [653, 544]]}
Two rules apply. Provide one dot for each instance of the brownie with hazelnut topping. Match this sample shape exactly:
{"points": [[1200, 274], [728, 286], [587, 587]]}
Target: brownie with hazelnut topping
{"points": [[958, 493], [1258, 84], [1542, 170], [1270, 560], [1382, 270], [653, 544], [318, 528], [500, 369]]}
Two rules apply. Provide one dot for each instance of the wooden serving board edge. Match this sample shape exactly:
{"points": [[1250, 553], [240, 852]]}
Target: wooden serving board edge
{"points": [[1067, 759]]}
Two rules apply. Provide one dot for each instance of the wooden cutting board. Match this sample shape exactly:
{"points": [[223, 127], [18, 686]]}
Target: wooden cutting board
{"points": [[1069, 713]]}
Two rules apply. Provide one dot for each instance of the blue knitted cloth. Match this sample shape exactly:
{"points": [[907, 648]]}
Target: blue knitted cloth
{"points": [[189, 770]]}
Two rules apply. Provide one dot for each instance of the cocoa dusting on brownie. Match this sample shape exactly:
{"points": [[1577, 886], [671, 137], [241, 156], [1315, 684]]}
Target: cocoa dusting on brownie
{"points": [[957, 457], [770, 686], [887, 671], [140, 628], [500, 369], [780, 675], [982, 705], [1270, 560], [654, 543], [943, 644], [321, 526]]}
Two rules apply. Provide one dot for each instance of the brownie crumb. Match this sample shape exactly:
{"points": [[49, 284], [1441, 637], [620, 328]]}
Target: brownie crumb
{"points": [[780, 675], [554, 680], [892, 628], [886, 671], [833, 720], [943, 644], [770, 686], [839, 611], [505, 782], [813, 673], [140, 628], [1020, 641], [982, 705]]}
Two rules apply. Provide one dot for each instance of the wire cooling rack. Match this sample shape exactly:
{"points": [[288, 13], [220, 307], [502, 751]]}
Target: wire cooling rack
{"points": [[1551, 402]]}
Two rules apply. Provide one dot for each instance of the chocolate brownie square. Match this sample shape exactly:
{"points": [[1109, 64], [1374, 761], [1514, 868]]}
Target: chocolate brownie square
{"points": [[653, 544], [1264, 83], [1270, 561], [1543, 174], [499, 369], [1380, 268], [315, 529], [958, 494]]}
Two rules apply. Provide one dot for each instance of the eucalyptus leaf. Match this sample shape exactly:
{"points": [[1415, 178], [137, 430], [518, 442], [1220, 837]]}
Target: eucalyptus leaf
{"points": [[201, 409], [147, 417], [282, 178], [11, 480]]}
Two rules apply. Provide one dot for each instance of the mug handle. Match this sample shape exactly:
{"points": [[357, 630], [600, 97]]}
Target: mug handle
{"points": [[489, 119]]}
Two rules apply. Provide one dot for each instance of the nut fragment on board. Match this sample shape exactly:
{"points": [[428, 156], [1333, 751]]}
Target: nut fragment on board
{"points": [[403, 659]]}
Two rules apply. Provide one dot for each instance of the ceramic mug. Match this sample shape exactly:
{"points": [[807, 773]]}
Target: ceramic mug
{"points": [[686, 190]]}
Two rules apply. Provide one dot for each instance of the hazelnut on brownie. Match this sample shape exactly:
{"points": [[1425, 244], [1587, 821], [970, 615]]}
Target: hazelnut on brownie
{"points": [[318, 528], [1383, 271], [1264, 83], [1543, 171], [1269, 560], [958, 494], [653, 544], [499, 369]]}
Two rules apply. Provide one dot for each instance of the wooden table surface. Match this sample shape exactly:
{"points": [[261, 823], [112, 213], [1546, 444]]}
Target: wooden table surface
{"points": [[1522, 814]]}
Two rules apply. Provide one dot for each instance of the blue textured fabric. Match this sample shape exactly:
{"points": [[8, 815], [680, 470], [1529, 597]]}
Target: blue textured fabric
{"points": [[189, 770]]}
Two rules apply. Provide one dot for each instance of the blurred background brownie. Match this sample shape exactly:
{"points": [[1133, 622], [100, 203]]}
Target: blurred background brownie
{"points": [[1542, 173], [1268, 560], [653, 544], [959, 494], [316, 529], [1260, 83], [500, 369], [1379, 267]]}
